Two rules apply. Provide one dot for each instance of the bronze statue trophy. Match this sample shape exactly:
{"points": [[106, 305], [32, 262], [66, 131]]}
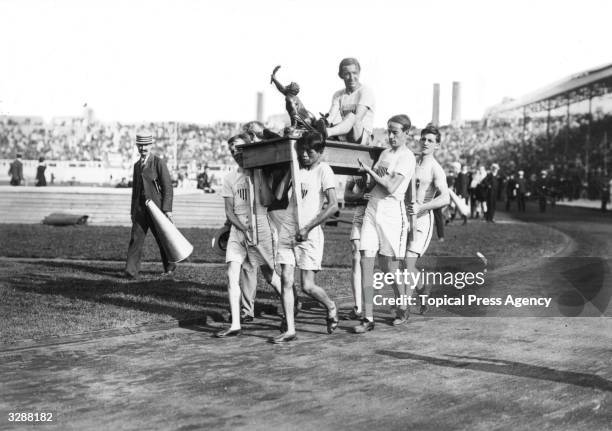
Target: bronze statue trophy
{"points": [[301, 118]]}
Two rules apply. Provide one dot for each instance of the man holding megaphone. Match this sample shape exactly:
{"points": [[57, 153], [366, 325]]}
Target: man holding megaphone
{"points": [[152, 181]]}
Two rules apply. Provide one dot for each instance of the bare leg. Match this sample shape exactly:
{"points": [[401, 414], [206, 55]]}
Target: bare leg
{"points": [[356, 274], [390, 265], [248, 282], [272, 278], [287, 278], [310, 288], [367, 280], [419, 289], [233, 289]]}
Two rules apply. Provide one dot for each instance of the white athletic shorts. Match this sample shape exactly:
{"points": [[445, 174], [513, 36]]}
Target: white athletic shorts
{"points": [[307, 254], [385, 228], [357, 222], [277, 218], [239, 251], [422, 234]]}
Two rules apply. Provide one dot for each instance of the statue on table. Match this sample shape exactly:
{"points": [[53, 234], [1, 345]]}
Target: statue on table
{"points": [[300, 117]]}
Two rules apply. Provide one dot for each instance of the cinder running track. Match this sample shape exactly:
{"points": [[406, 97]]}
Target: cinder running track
{"points": [[441, 371]]}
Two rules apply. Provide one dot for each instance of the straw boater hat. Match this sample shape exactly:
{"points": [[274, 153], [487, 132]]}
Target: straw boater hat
{"points": [[144, 139]]}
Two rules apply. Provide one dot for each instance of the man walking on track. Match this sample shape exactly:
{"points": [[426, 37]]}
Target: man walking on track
{"points": [[302, 246], [16, 171], [385, 225], [431, 193], [245, 207], [151, 180]]}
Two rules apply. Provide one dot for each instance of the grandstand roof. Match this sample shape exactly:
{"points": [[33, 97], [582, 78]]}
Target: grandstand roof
{"points": [[572, 87]]}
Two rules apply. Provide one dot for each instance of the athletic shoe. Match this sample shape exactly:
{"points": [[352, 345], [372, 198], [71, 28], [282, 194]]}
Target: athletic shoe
{"points": [[352, 315], [245, 318], [332, 322], [169, 272], [401, 317], [228, 333], [365, 326], [167, 275], [283, 338]]}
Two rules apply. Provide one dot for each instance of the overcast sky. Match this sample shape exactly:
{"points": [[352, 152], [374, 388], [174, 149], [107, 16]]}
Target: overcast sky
{"points": [[204, 61]]}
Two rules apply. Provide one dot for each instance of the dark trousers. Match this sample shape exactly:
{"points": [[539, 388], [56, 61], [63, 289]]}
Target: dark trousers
{"points": [[142, 222], [521, 202], [15, 182], [491, 206], [439, 219], [542, 202]]}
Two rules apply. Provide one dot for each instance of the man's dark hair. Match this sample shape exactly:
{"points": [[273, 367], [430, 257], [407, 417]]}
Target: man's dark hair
{"points": [[250, 129], [246, 138], [402, 119], [252, 123], [347, 62], [312, 140], [430, 128]]}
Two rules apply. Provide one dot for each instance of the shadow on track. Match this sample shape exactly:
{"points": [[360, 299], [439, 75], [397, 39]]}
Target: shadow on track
{"points": [[511, 368]]}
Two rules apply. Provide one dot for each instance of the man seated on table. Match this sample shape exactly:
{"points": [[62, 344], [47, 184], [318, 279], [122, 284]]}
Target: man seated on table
{"points": [[352, 110]]}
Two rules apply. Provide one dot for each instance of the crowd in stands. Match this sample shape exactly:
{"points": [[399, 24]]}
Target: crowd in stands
{"points": [[540, 143], [112, 143]]}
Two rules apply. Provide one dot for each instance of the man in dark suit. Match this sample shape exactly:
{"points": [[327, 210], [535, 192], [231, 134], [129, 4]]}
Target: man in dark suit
{"points": [[151, 181], [16, 171], [491, 184], [542, 190], [510, 191]]}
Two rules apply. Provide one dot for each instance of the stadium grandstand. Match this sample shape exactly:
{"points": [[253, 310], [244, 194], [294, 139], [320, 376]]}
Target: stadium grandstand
{"points": [[564, 128], [82, 150], [566, 124]]}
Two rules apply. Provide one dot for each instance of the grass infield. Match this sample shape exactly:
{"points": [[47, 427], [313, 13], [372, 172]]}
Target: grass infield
{"points": [[508, 242], [47, 298]]}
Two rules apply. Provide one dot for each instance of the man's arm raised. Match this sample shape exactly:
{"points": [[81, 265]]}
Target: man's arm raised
{"points": [[392, 182], [349, 193]]}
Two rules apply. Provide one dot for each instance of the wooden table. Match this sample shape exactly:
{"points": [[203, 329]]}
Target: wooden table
{"points": [[340, 156]]}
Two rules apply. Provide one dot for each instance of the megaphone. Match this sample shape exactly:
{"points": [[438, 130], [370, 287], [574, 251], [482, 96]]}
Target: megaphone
{"points": [[459, 203], [175, 245]]}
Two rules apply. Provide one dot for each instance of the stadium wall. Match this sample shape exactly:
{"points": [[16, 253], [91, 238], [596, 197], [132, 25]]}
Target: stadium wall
{"points": [[96, 173], [67, 172]]}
